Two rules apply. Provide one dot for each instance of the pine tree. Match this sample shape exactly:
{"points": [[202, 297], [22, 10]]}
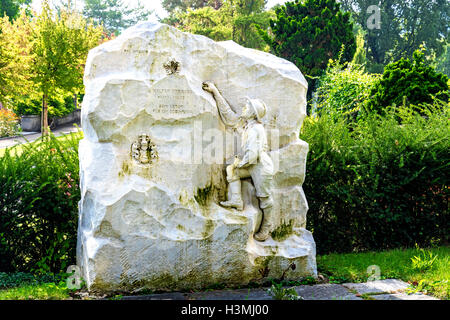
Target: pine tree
{"points": [[309, 34], [403, 27], [408, 82], [11, 8], [114, 15]]}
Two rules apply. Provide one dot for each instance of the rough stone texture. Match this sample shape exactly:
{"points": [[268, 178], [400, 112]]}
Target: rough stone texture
{"points": [[378, 286], [159, 225], [402, 296]]}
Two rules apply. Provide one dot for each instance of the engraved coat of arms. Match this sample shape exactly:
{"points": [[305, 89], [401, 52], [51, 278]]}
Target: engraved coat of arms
{"points": [[143, 150]]}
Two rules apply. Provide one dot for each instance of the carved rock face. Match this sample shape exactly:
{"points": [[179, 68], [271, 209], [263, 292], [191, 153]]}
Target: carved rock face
{"points": [[153, 167]]}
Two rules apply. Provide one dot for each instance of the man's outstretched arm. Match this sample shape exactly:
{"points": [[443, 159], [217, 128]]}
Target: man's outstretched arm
{"points": [[229, 117]]}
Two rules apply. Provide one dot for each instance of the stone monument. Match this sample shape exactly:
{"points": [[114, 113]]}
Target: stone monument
{"points": [[191, 166]]}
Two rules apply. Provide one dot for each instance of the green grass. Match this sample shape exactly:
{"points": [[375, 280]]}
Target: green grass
{"points": [[396, 263], [18, 148], [27, 286], [45, 291]]}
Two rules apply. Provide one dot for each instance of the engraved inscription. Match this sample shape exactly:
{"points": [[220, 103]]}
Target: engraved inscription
{"points": [[143, 150], [173, 102]]}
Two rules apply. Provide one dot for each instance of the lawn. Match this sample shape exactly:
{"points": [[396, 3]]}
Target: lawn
{"points": [[426, 275], [18, 148], [45, 291], [25, 286], [432, 278]]}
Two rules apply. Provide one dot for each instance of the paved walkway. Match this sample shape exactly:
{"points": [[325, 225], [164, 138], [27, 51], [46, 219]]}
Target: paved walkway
{"points": [[390, 289], [26, 137]]}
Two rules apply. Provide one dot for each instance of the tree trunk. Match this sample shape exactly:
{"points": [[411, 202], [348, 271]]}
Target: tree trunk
{"points": [[44, 127], [75, 100]]}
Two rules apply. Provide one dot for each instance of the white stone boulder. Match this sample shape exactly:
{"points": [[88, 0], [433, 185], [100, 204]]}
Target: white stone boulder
{"points": [[150, 217]]}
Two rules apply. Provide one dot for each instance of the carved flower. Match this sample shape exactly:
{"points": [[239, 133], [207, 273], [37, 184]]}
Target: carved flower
{"points": [[172, 66]]}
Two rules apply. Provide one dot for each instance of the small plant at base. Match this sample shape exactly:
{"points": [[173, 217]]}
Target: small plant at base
{"points": [[424, 261], [279, 293], [427, 286], [8, 123]]}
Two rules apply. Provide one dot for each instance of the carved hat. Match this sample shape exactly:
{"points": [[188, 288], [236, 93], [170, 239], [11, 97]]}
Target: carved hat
{"points": [[258, 106]]}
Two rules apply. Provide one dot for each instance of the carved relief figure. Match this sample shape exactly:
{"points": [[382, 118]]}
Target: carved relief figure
{"points": [[255, 162]]}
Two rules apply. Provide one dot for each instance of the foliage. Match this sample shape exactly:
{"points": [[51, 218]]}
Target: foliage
{"points": [[11, 8], [352, 267], [377, 184], [41, 291], [443, 62], [404, 27], [343, 89], [114, 15], [60, 47], [405, 81], [184, 5], [424, 261], [58, 105], [360, 57], [39, 200], [208, 22], [248, 16], [15, 57], [233, 20], [9, 124], [437, 287], [309, 33], [17, 279], [279, 293]]}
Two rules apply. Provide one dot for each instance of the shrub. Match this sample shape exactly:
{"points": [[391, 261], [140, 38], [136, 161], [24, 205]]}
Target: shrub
{"points": [[17, 279], [58, 106], [343, 89], [9, 124], [38, 205], [310, 32], [377, 184], [410, 82]]}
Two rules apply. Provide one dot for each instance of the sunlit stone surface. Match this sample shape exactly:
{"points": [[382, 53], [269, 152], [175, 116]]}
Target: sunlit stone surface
{"points": [[153, 158]]}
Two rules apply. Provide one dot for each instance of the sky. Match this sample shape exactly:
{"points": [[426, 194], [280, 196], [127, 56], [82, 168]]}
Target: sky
{"points": [[150, 4]]}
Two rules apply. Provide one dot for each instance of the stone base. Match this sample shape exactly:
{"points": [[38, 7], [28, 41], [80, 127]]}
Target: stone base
{"points": [[224, 251]]}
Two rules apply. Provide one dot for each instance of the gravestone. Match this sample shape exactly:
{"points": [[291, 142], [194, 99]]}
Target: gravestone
{"points": [[153, 165]]}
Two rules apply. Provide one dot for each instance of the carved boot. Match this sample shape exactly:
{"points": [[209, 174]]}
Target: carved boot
{"points": [[236, 196], [266, 225]]}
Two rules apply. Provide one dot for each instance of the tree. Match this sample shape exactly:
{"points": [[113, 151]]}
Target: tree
{"points": [[12, 7], [443, 62], [310, 33], [208, 22], [247, 14], [182, 5], [114, 15], [15, 56], [343, 89], [412, 82], [234, 20], [60, 47], [404, 26]]}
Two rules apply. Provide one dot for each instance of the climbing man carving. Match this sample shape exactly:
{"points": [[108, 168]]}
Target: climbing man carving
{"points": [[255, 162]]}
